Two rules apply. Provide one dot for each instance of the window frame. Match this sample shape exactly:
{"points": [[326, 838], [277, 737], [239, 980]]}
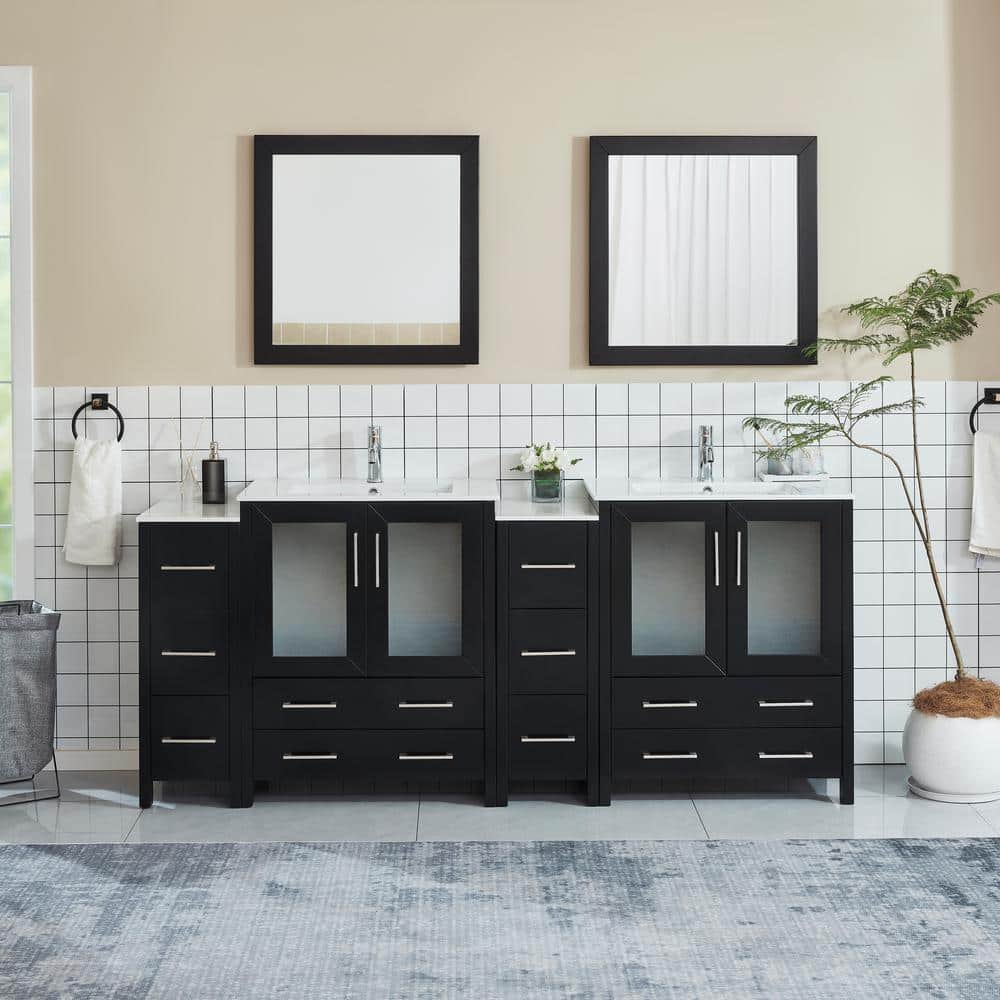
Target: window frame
{"points": [[15, 81]]}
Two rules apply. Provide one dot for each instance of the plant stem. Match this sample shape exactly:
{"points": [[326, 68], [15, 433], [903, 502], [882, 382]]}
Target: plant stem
{"points": [[926, 533]]}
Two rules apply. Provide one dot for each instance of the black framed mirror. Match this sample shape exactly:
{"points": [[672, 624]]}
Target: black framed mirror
{"points": [[702, 250], [366, 249]]}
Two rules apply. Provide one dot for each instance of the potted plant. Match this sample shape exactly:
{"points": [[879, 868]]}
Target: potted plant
{"points": [[546, 465], [952, 737]]}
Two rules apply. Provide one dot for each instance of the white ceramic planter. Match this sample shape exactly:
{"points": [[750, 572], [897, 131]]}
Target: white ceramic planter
{"points": [[954, 760]]}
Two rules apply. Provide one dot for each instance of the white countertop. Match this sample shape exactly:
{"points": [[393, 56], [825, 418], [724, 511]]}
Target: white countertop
{"points": [[347, 490], [515, 503], [666, 490], [189, 509]]}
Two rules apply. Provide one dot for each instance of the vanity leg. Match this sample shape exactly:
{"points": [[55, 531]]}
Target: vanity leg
{"points": [[847, 787], [241, 793], [145, 791]]}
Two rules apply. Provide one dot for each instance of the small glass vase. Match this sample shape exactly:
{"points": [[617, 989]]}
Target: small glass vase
{"points": [[546, 487]]}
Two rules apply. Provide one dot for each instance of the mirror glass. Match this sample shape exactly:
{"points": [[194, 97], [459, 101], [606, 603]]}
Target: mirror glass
{"points": [[365, 249], [702, 250]]}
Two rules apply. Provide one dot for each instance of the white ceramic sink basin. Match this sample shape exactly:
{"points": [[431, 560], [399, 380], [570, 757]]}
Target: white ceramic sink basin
{"points": [[359, 489], [693, 488]]}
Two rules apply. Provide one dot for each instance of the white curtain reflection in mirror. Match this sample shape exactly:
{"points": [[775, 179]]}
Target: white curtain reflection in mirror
{"points": [[703, 250], [366, 249]]}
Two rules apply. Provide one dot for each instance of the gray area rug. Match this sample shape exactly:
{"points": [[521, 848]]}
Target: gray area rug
{"points": [[810, 919]]}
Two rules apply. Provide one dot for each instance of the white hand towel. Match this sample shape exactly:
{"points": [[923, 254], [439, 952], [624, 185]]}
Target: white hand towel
{"points": [[984, 538], [93, 528]]}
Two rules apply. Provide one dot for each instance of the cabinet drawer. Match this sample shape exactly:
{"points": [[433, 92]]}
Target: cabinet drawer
{"points": [[418, 755], [333, 703], [548, 736], [548, 652], [190, 737], [663, 753], [697, 702], [189, 654], [548, 565], [189, 567]]}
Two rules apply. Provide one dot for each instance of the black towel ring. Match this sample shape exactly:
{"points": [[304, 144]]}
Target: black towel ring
{"points": [[99, 401]]}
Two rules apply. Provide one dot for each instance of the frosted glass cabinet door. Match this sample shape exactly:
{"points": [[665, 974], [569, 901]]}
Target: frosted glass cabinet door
{"points": [[309, 594], [425, 587], [786, 587], [668, 593]]}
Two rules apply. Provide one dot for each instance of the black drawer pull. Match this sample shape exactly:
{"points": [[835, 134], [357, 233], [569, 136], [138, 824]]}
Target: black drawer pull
{"points": [[548, 652], [670, 704], [309, 756], [187, 652], [210, 568], [425, 756], [308, 704], [805, 755], [548, 565], [174, 739], [807, 703], [670, 756], [548, 739], [425, 704]]}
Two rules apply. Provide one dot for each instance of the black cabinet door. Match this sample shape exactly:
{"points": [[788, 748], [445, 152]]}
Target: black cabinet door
{"points": [[425, 589], [668, 594], [785, 587], [308, 589]]}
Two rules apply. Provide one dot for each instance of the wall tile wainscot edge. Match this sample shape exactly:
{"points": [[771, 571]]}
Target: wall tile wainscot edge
{"points": [[459, 431]]}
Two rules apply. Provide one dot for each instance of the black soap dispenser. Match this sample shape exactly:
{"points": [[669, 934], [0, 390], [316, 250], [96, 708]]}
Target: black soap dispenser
{"points": [[213, 476]]}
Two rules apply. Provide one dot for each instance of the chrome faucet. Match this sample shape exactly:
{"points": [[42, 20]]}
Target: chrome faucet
{"points": [[375, 453], [706, 454]]}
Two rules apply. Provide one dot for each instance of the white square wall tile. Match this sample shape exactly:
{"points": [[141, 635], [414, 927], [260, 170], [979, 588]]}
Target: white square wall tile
{"points": [[356, 401], [292, 400], [260, 432], [484, 432], [706, 397], [644, 397], [324, 400], [261, 400], [293, 432], [164, 401], [484, 400], [675, 398], [420, 400], [580, 398], [452, 432], [452, 400], [738, 397], [612, 398], [387, 400], [547, 430], [547, 400], [227, 401], [515, 400]]}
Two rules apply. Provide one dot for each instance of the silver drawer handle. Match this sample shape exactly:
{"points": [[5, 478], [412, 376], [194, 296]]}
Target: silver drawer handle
{"points": [[187, 652], [308, 704], [670, 756], [378, 578], [172, 739], [739, 558], [426, 756], [806, 755], [309, 756], [670, 704], [548, 565], [425, 704], [548, 652], [355, 560], [808, 703], [716, 558], [189, 569], [548, 739]]}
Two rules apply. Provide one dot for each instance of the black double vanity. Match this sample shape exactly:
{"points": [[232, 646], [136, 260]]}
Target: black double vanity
{"points": [[432, 634]]}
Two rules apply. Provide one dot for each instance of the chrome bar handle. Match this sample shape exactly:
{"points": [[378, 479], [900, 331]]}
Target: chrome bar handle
{"points": [[425, 704], [187, 652], [548, 739], [425, 756], [174, 739], [669, 704], [548, 565], [806, 755], [308, 704], [716, 558], [739, 558], [548, 652], [378, 578], [807, 703], [670, 756], [309, 756], [188, 569], [355, 560]]}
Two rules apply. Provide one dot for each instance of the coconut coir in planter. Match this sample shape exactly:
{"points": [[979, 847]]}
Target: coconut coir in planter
{"points": [[966, 698]]}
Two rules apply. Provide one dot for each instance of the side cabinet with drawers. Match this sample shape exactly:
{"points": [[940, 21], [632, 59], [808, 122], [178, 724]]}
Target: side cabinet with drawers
{"points": [[547, 653], [187, 612], [726, 641], [366, 656]]}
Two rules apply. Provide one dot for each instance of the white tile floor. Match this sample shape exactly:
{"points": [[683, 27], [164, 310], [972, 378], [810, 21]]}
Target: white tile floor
{"points": [[103, 807]]}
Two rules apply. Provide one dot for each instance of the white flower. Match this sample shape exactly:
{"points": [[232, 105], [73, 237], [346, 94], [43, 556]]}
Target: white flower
{"points": [[528, 459]]}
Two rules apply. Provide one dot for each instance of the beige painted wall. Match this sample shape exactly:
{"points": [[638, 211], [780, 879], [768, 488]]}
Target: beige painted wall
{"points": [[144, 108]]}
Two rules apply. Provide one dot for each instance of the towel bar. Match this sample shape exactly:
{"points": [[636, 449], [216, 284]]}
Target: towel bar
{"points": [[991, 396], [100, 401]]}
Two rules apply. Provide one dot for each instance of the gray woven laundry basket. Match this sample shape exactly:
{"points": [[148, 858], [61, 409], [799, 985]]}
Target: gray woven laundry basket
{"points": [[27, 688]]}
